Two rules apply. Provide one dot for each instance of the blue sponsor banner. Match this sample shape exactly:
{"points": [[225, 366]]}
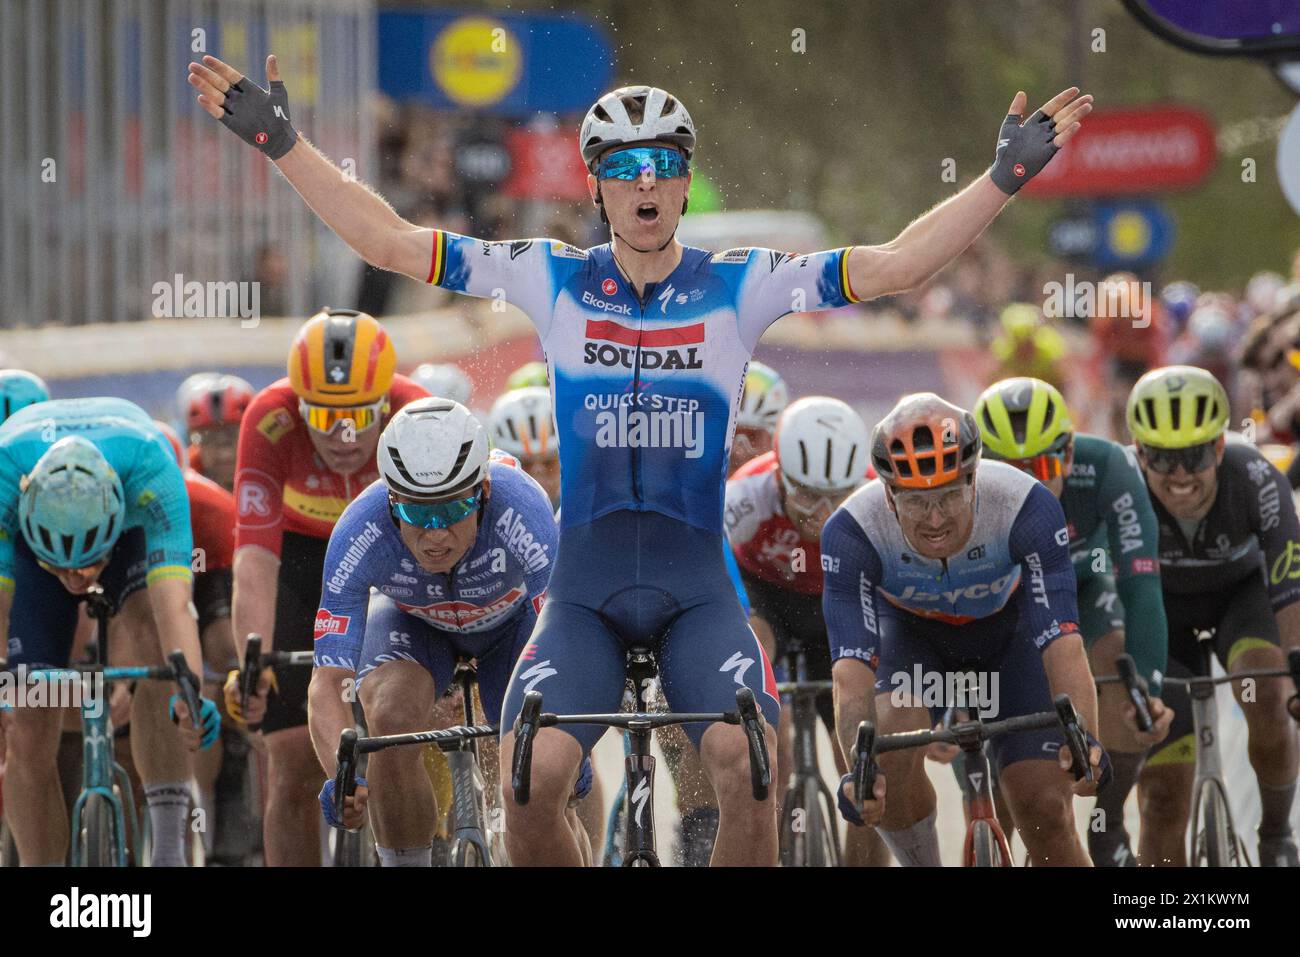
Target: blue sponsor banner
{"points": [[503, 63]]}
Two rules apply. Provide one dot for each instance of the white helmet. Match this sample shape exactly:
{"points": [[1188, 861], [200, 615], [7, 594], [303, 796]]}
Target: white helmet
{"points": [[433, 449], [823, 444], [764, 399], [445, 380], [521, 422], [635, 114]]}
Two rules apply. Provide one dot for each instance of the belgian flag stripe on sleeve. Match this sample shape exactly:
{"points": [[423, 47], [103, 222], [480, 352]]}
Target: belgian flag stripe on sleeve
{"points": [[845, 289], [438, 266]]}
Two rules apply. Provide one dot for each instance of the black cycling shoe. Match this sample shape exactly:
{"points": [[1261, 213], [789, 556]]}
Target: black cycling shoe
{"points": [[1109, 849], [1278, 852]]}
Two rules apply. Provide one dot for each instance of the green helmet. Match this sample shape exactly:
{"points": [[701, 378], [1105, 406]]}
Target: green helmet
{"points": [[1176, 407], [1022, 417], [528, 374]]}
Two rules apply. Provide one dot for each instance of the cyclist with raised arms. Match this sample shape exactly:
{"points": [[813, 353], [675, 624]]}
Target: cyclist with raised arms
{"points": [[647, 343], [306, 449], [1113, 544], [777, 504], [762, 401], [90, 493], [459, 549], [946, 565], [212, 405], [1229, 564]]}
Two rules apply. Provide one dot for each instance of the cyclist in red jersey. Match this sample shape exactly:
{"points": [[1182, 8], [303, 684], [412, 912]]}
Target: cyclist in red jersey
{"points": [[777, 504], [212, 404], [306, 449]]}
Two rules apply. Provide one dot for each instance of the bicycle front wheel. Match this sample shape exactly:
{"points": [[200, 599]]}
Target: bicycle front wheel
{"points": [[984, 845], [98, 828], [1216, 840]]}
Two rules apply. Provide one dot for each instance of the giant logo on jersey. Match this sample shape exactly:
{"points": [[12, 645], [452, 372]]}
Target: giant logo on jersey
{"points": [[465, 616], [662, 348]]}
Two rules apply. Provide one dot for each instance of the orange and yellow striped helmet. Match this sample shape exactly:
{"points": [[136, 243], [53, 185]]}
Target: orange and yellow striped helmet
{"points": [[341, 357]]}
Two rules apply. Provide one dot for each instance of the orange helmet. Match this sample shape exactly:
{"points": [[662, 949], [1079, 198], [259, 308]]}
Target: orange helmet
{"points": [[925, 442], [341, 357]]}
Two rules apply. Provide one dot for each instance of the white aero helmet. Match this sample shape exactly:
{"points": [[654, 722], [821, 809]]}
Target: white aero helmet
{"points": [[521, 422], [764, 399], [433, 449], [823, 444], [635, 114], [445, 380]]}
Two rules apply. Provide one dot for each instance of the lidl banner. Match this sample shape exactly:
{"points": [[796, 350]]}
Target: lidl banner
{"points": [[504, 63]]}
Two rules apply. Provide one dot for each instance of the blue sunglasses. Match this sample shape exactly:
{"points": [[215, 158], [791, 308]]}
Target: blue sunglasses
{"points": [[629, 164], [436, 514]]}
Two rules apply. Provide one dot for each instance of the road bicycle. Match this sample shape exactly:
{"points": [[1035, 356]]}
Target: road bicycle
{"points": [[809, 832], [1214, 838], [642, 669], [986, 843]]}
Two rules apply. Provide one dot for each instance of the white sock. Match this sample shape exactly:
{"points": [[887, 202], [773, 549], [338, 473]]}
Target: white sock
{"points": [[169, 812], [406, 856], [915, 846]]}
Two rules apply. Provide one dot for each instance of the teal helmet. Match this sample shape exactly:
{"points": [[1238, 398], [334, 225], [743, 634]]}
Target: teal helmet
{"points": [[19, 389], [72, 506]]}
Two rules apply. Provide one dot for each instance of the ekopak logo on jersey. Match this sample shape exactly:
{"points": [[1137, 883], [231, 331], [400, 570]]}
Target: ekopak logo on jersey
{"points": [[328, 623]]}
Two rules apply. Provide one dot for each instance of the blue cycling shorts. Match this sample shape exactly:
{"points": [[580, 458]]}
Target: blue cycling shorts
{"points": [[43, 622], [640, 577], [918, 655]]}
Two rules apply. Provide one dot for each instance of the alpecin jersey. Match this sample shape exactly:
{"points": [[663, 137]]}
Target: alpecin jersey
{"points": [[503, 575], [645, 390]]}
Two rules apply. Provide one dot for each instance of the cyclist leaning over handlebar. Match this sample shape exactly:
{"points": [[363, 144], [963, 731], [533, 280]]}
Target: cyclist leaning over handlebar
{"points": [[943, 566], [647, 343], [95, 490], [1113, 541], [1230, 564]]}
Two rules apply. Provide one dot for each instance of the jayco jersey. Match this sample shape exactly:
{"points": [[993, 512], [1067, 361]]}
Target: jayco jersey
{"points": [[504, 574], [645, 390], [1019, 533], [156, 499]]}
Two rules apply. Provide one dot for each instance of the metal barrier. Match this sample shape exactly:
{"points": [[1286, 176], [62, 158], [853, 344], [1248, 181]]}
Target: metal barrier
{"points": [[113, 179]]}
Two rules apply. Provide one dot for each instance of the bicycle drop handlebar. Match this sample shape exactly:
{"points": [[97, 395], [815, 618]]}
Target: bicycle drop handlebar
{"points": [[747, 715], [970, 736]]}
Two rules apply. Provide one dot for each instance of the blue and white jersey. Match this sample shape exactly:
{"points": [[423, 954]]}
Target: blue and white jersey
{"points": [[156, 499], [502, 576], [1019, 539], [645, 390]]}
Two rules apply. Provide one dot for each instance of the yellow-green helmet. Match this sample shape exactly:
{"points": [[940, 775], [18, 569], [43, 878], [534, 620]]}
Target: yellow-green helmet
{"points": [[1176, 407], [528, 374], [1020, 320], [1023, 417]]}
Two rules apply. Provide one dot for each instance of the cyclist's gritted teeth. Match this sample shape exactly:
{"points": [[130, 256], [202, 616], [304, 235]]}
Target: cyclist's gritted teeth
{"points": [[647, 213]]}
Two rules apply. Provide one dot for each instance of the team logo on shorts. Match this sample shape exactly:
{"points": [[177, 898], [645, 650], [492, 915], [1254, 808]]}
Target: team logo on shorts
{"points": [[328, 623]]}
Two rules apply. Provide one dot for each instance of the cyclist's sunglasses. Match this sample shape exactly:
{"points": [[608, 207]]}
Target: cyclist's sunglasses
{"points": [[436, 514], [326, 418], [808, 502], [630, 163], [1043, 467], [1194, 458]]}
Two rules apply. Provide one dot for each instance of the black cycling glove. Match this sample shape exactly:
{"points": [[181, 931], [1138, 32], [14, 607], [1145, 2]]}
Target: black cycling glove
{"points": [[1023, 150], [259, 118]]}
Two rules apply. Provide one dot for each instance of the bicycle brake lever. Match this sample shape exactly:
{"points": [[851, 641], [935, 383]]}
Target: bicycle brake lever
{"points": [[187, 685], [1074, 738], [522, 761], [345, 776], [249, 673], [1136, 687], [760, 767], [864, 764]]}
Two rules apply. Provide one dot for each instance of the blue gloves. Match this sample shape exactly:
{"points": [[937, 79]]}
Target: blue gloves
{"points": [[327, 802], [209, 721]]}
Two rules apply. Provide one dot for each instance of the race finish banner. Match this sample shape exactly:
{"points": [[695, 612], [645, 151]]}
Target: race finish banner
{"points": [[506, 64], [1122, 152]]}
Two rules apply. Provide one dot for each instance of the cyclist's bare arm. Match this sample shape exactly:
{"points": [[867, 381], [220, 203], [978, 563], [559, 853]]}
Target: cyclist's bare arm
{"points": [[360, 217], [329, 712], [936, 238], [177, 628], [854, 692], [1068, 672], [252, 606], [1288, 626]]}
